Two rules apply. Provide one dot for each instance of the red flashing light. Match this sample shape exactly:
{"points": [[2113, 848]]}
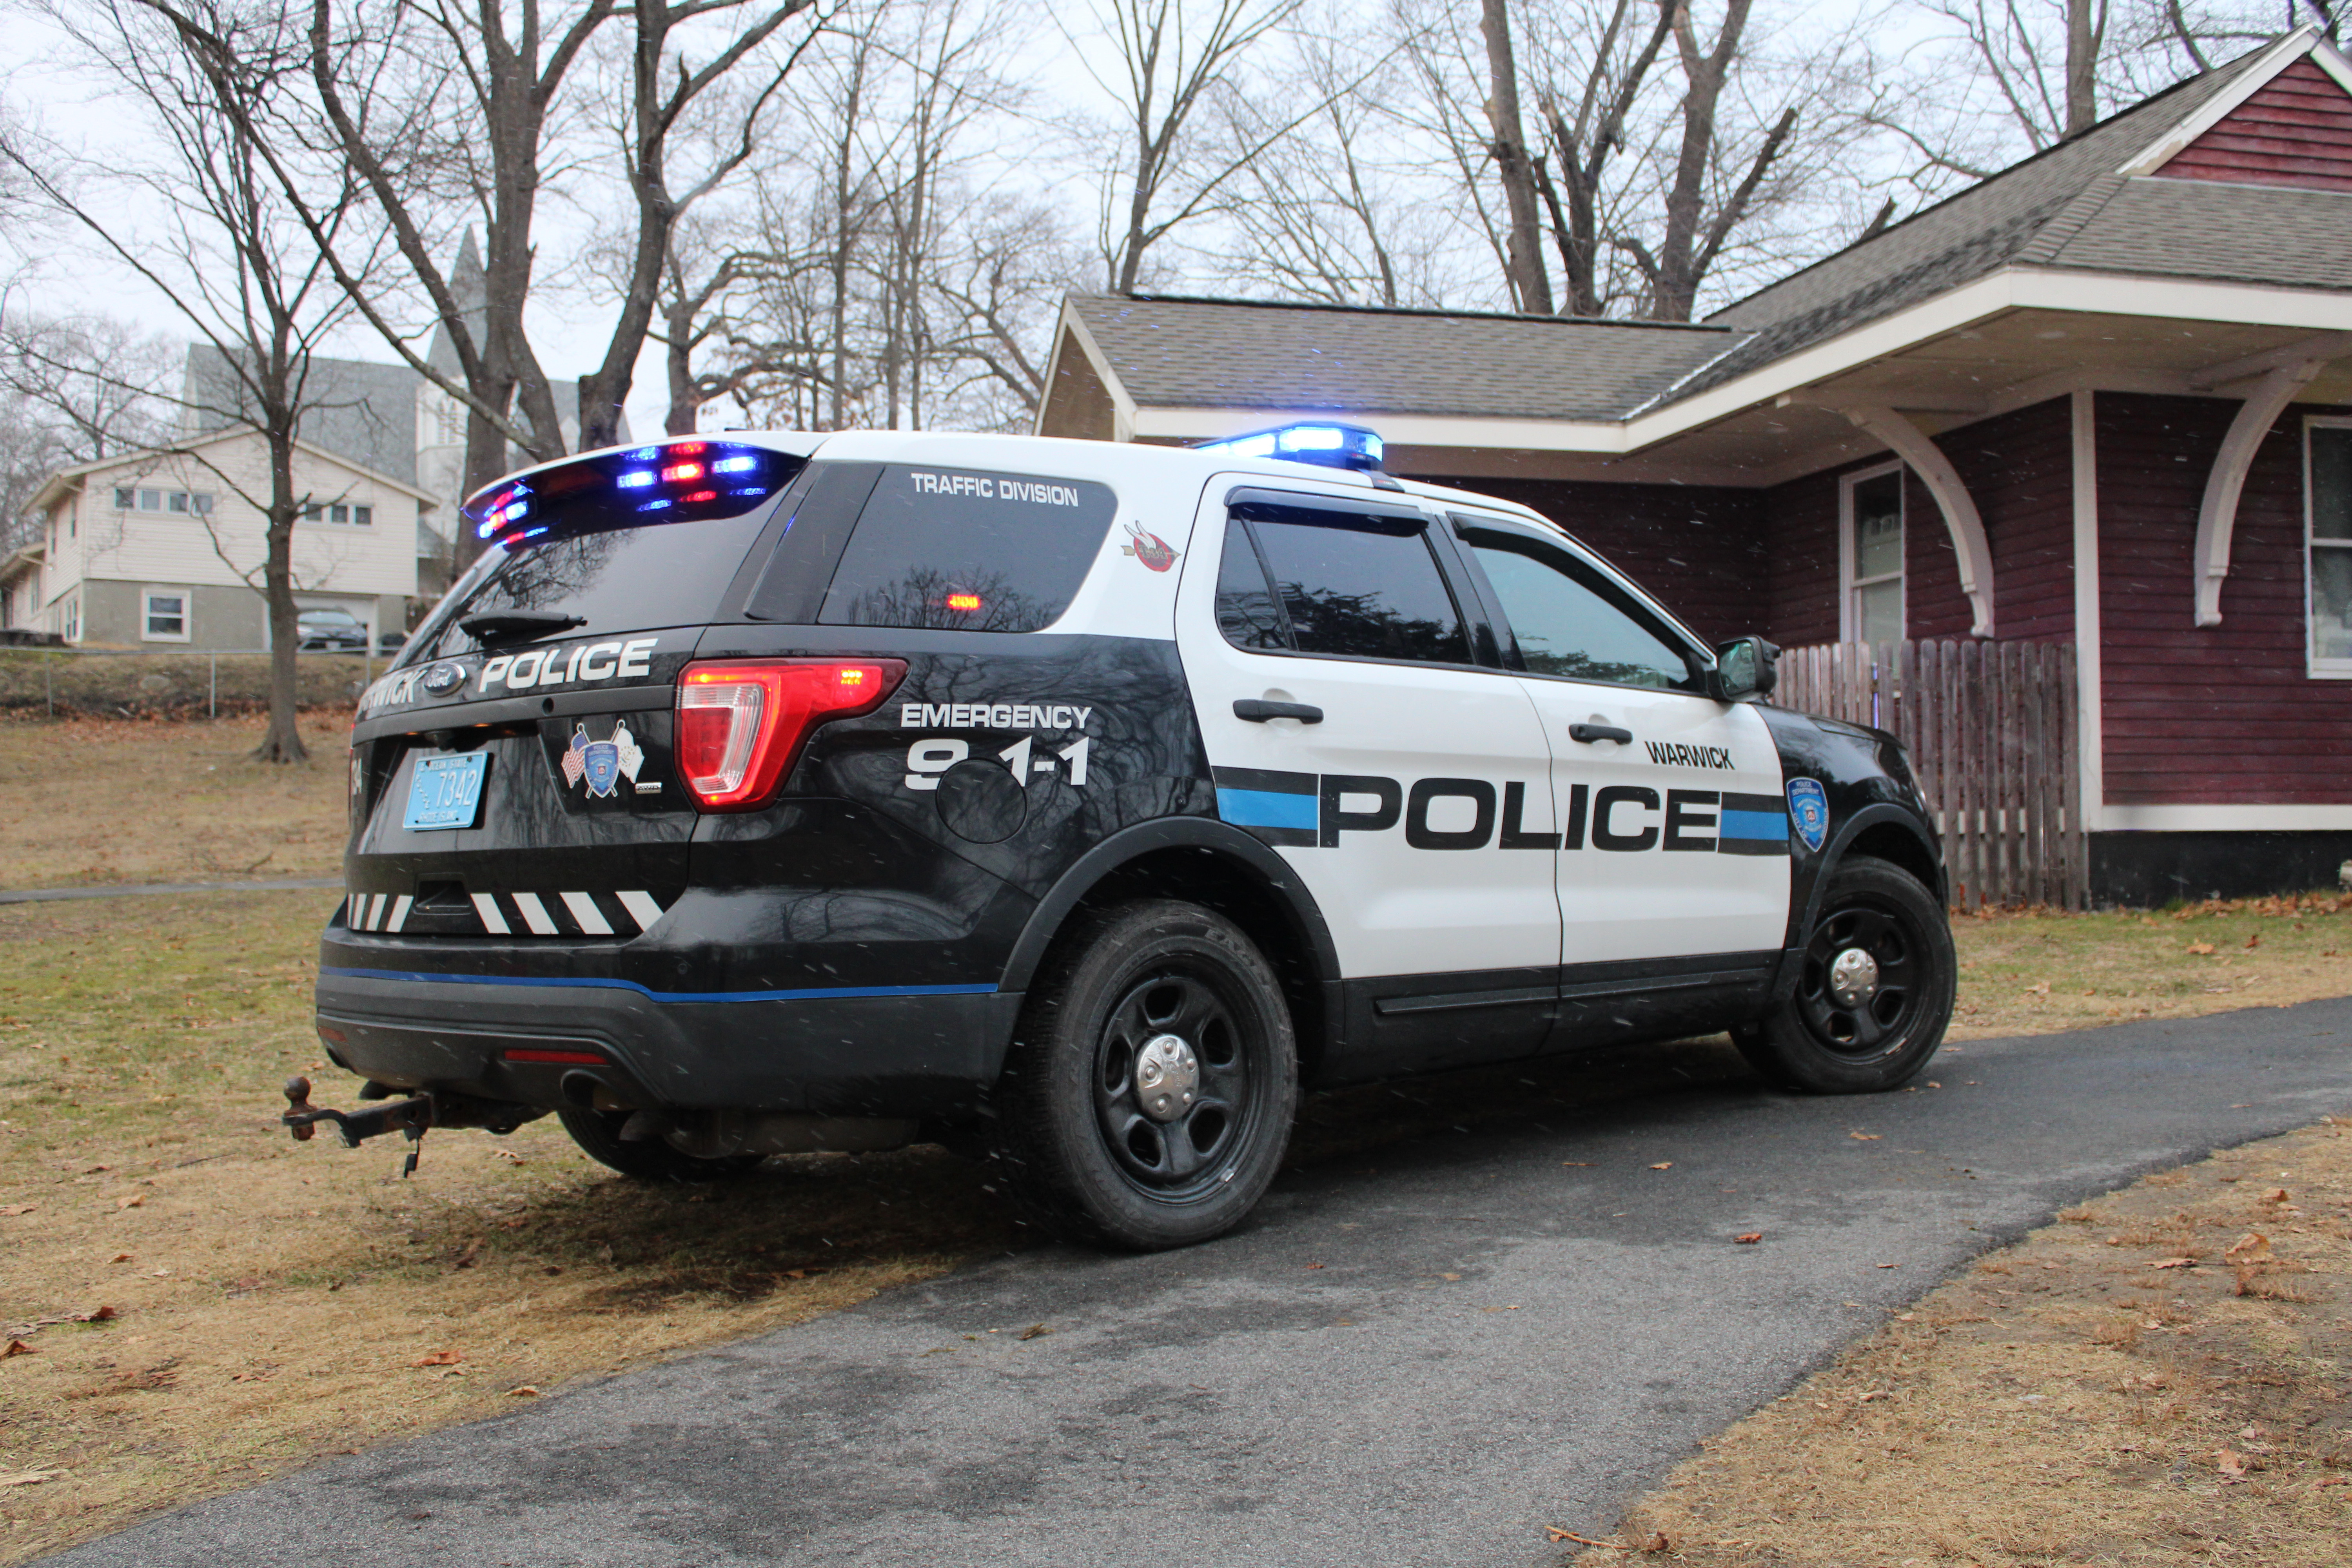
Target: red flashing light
{"points": [[699, 495], [741, 723], [561, 1059], [686, 448], [966, 602], [680, 472]]}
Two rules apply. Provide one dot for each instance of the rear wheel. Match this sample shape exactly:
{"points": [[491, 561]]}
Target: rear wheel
{"points": [[1148, 1096], [598, 1132], [1875, 994]]}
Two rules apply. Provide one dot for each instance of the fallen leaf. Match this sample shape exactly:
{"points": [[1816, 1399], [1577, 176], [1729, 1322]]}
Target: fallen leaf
{"points": [[15, 1347], [1035, 1331], [508, 1155], [1866, 1137], [29, 1477], [95, 1315], [2255, 939], [13, 1209], [2041, 988], [2200, 947], [1890, 1266], [2275, 1196], [1449, 1276], [465, 1258], [2174, 1263], [1867, 1395], [440, 1357], [135, 1200], [1314, 1266], [2231, 1467], [1748, 1237], [1663, 1165], [527, 1391], [2251, 1247], [119, 1257]]}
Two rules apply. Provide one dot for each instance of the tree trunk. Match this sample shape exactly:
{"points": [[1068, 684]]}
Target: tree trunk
{"points": [[2082, 38], [1530, 287], [283, 741], [677, 355]]}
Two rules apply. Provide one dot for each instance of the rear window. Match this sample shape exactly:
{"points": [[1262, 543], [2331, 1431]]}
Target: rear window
{"points": [[627, 543], [968, 550]]}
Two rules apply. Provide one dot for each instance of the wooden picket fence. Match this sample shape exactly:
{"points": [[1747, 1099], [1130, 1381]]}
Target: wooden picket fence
{"points": [[1992, 729]]}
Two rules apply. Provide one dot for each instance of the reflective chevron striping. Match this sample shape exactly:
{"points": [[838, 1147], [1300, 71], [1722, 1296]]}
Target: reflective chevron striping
{"points": [[641, 906], [565, 913], [399, 913], [589, 918], [534, 914], [494, 920]]}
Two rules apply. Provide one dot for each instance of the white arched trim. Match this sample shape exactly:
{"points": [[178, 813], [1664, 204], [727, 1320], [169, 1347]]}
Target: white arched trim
{"points": [[2217, 518], [1924, 458]]}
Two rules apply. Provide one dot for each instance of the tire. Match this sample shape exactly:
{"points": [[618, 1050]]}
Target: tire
{"points": [[1091, 1152], [598, 1134], [1823, 1041]]}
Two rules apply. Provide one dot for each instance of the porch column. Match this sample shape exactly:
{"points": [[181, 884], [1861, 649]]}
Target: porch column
{"points": [[1925, 460]]}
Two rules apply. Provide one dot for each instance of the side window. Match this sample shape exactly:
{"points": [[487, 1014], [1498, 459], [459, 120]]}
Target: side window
{"points": [[968, 552], [1349, 586], [1246, 612], [2328, 495], [1569, 622]]}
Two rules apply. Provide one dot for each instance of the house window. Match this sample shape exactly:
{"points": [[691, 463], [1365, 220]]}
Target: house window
{"points": [[199, 502], [340, 512], [73, 619], [1871, 553], [164, 615], [2327, 509]]}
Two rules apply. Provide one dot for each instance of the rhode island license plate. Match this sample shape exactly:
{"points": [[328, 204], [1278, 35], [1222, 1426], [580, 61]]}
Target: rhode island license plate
{"points": [[445, 792]]}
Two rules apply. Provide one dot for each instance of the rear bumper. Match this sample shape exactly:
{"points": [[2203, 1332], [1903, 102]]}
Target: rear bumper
{"points": [[901, 1051]]}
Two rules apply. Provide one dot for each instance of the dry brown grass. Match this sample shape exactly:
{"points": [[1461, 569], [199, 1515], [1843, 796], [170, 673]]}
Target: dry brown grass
{"points": [[2071, 1400], [272, 1303], [99, 800]]}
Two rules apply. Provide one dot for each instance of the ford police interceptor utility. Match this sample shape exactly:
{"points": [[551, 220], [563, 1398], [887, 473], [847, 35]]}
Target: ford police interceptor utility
{"points": [[1075, 801]]}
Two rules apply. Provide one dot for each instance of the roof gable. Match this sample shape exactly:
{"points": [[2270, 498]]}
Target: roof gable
{"points": [[2295, 130]]}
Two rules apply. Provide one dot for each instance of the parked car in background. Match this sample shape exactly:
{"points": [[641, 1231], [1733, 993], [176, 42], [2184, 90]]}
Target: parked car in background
{"points": [[331, 631]]}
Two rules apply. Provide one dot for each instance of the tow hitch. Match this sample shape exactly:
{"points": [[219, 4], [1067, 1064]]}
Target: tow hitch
{"points": [[410, 1117]]}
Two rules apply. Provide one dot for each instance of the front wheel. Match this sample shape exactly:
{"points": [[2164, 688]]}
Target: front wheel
{"points": [[1874, 995], [1148, 1096]]}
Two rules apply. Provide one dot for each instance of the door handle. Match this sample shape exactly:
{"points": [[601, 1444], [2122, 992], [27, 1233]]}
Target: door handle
{"points": [[1258, 711], [1588, 733]]}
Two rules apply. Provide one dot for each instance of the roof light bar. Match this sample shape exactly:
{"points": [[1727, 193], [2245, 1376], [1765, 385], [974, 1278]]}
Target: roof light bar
{"points": [[1328, 445]]}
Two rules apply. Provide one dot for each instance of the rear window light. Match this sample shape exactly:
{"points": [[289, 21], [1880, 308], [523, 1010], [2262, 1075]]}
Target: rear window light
{"points": [[669, 483], [741, 723]]}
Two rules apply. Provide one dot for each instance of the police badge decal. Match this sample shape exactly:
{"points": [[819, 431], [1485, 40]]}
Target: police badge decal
{"points": [[602, 765]]}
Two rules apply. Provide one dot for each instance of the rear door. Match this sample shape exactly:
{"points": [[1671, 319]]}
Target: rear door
{"points": [[518, 780], [1411, 796], [1673, 855]]}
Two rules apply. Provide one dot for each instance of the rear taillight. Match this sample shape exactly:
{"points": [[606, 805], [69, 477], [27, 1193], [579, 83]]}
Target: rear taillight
{"points": [[741, 723]]}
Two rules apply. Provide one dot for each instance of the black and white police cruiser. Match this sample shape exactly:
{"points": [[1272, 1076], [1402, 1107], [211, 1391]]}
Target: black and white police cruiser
{"points": [[759, 794]]}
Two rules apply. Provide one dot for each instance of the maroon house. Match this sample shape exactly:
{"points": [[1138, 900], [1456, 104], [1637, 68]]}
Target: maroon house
{"points": [[2103, 397]]}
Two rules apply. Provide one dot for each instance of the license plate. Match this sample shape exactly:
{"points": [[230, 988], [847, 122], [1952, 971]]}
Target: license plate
{"points": [[445, 792]]}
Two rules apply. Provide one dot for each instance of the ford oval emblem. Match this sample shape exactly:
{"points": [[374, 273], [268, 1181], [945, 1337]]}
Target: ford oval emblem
{"points": [[444, 677]]}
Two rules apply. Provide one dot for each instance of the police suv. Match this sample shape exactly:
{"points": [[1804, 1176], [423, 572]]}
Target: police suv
{"points": [[759, 794]]}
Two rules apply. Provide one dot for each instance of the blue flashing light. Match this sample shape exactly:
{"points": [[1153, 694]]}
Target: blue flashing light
{"points": [[735, 465], [657, 505], [645, 454], [634, 479], [749, 490], [517, 509], [488, 526], [1328, 445], [533, 532]]}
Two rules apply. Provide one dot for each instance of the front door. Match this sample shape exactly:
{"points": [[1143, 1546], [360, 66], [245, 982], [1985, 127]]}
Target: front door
{"points": [[1674, 836], [1411, 793]]}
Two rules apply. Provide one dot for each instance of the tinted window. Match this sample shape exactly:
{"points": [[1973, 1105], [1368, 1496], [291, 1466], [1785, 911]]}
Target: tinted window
{"points": [[1360, 587], [1569, 622], [1246, 612], [968, 551]]}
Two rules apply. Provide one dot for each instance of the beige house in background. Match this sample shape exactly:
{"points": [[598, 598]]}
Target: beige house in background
{"points": [[154, 548]]}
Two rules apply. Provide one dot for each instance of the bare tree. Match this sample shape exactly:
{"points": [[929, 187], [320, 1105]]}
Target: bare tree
{"points": [[1523, 263], [210, 78], [1170, 61], [1584, 125]]}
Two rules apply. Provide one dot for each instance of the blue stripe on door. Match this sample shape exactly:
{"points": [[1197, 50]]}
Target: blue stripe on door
{"points": [[1264, 808], [1753, 825]]}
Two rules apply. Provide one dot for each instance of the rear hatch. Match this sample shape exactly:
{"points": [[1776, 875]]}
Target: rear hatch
{"points": [[514, 774]]}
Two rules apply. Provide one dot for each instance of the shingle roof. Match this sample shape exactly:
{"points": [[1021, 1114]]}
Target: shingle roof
{"points": [[2050, 198], [1169, 351], [2195, 228]]}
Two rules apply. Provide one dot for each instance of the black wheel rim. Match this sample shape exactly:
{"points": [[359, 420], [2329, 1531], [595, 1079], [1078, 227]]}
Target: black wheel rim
{"points": [[1186, 1155], [1867, 1028]]}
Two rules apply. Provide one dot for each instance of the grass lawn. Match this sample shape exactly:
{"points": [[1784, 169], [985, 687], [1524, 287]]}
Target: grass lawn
{"points": [[203, 1303]]}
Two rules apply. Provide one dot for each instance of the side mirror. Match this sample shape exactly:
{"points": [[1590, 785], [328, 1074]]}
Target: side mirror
{"points": [[1744, 668]]}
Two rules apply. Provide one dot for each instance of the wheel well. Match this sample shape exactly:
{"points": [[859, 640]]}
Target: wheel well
{"points": [[1240, 893], [1898, 845]]}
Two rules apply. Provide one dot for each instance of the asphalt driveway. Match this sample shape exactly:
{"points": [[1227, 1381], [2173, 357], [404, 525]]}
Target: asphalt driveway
{"points": [[1474, 1310]]}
